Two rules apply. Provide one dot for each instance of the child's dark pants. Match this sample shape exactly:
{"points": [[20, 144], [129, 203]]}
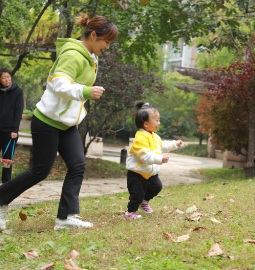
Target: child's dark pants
{"points": [[141, 189]]}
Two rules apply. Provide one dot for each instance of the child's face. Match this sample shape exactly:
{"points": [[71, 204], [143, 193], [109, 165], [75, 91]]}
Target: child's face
{"points": [[154, 121]]}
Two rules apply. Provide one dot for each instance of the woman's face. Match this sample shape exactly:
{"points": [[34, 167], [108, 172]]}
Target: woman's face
{"points": [[100, 46], [5, 79]]}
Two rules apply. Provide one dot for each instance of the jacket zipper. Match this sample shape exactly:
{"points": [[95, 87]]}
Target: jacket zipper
{"points": [[95, 65]]}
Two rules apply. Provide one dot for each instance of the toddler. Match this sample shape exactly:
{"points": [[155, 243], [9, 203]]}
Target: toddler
{"points": [[144, 160]]}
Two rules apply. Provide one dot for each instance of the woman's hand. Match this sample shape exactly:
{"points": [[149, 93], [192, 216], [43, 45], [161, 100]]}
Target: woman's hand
{"points": [[96, 92], [14, 135]]}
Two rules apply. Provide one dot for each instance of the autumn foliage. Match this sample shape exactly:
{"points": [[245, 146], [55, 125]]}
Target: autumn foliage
{"points": [[224, 108]]}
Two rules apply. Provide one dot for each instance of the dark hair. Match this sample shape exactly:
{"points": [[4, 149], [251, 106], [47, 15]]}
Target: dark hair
{"points": [[104, 28], [142, 114], [4, 70]]}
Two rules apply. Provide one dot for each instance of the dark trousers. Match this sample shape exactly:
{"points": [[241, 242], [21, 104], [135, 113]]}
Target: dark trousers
{"points": [[141, 189], [47, 141], [4, 140]]}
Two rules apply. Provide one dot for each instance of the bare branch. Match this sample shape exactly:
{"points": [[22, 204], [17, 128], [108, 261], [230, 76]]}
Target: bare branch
{"points": [[23, 53]]}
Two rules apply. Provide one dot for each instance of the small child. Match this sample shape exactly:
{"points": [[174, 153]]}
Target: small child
{"points": [[144, 160]]}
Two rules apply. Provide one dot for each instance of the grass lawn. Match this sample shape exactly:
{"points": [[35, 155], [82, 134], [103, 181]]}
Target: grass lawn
{"points": [[115, 243], [195, 150], [96, 168]]}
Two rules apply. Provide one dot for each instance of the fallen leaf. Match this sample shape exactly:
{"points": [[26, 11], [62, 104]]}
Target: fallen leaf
{"points": [[138, 258], [168, 236], [215, 220], [104, 256], [194, 217], [208, 198], [165, 207], [31, 254], [120, 208], [70, 265], [170, 211], [114, 204], [40, 213], [47, 266], [248, 240], [22, 216], [157, 225], [191, 209], [232, 258], [74, 254], [179, 211], [215, 250], [182, 238], [232, 200], [198, 228]]}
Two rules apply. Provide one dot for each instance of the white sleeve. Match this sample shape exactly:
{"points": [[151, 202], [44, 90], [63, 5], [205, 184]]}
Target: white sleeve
{"points": [[168, 146], [64, 87], [149, 157]]}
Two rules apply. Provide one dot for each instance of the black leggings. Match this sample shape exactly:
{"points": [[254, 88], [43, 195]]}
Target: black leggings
{"points": [[141, 189], [47, 140]]}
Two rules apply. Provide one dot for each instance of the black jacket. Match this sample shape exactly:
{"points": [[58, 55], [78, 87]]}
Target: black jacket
{"points": [[11, 108]]}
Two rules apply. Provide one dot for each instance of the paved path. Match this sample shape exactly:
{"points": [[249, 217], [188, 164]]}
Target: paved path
{"points": [[176, 171]]}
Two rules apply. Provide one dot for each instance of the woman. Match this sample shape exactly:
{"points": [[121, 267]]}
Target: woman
{"points": [[11, 108], [55, 120]]}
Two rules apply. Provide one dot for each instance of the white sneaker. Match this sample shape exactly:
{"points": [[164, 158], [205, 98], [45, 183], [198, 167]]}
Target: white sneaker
{"points": [[3, 210], [71, 221]]}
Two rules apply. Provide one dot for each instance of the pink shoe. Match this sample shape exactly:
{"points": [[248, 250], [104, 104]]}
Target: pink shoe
{"points": [[132, 215], [144, 206]]}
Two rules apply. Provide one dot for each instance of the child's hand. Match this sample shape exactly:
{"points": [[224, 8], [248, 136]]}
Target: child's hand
{"points": [[178, 143], [165, 159]]}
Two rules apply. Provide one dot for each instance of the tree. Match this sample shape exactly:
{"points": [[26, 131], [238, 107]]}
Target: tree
{"points": [[124, 83], [227, 109]]}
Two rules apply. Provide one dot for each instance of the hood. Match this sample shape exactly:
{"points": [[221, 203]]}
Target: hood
{"points": [[11, 87], [66, 44]]}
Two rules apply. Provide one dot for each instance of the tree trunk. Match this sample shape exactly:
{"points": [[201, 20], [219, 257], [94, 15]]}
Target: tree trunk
{"points": [[200, 138], [249, 165], [1, 7]]}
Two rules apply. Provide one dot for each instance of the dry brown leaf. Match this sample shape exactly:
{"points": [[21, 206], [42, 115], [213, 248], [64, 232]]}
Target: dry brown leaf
{"points": [[179, 211], [111, 198], [114, 204], [31, 254], [182, 238], [70, 265], [170, 211], [215, 250], [168, 236], [22, 216], [248, 240], [120, 208], [74, 254], [165, 207], [40, 213], [198, 228], [104, 256], [138, 258], [47, 266], [232, 258], [208, 198], [157, 225], [215, 220]]}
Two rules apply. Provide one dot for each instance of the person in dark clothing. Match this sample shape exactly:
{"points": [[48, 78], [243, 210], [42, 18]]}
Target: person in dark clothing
{"points": [[11, 108]]}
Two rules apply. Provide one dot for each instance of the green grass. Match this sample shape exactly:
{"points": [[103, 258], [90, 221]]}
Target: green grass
{"points": [[115, 243], [26, 131], [195, 150], [95, 168]]}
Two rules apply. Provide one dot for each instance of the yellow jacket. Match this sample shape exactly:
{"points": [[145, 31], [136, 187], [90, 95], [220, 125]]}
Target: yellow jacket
{"points": [[145, 155]]}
